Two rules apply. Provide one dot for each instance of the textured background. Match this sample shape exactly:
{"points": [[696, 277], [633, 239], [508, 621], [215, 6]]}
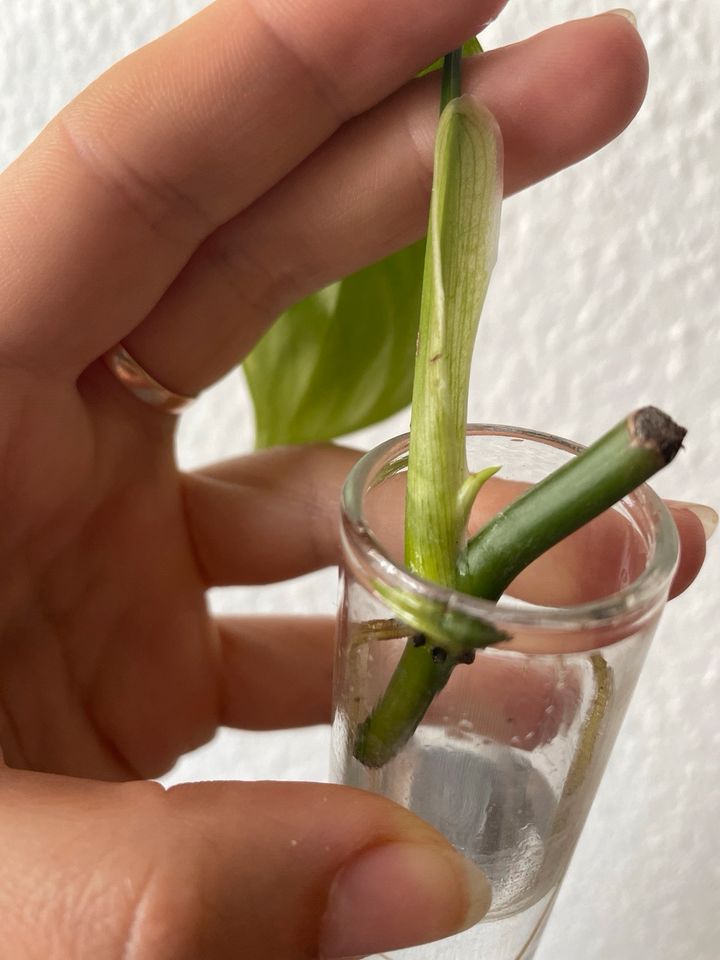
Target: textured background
{"points": [[605, 298]]}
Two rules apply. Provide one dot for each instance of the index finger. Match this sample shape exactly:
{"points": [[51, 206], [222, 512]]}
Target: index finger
{"points": [[177, 139]]}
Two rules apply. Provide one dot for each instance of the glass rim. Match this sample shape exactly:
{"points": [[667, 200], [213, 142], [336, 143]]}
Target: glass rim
{"points": [[636, 600]]}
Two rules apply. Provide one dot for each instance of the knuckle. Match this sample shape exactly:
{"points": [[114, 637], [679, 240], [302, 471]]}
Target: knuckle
{"points": [[156, 198], [322, 80], [160, 922], [164, 915], [263, 284]]}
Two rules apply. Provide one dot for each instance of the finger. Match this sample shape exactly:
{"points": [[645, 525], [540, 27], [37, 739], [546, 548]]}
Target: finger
{"points": [[177, 139], [517, 701], [269, 516], [222, 871], [274, 515], [276, 671], [277, 674], [695, 525], [558, 97]]}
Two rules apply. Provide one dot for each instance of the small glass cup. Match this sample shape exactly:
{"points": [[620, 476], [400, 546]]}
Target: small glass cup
{"points": [[508, 759]]}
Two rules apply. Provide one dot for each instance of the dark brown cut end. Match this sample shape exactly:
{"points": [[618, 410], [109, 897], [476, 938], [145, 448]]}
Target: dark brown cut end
{"points": [[650, 427]]}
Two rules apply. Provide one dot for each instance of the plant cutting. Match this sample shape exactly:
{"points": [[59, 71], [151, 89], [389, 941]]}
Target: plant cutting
{"points": [[458, 258], [422, 673]]}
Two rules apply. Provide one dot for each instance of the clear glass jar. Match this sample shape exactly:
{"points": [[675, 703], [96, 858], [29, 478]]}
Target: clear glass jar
{"points": [[507, 760]]}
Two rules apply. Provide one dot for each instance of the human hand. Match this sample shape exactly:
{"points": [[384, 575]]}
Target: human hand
{"points": [[178, 205]]}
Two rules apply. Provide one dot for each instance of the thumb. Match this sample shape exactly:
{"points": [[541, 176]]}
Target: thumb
{"points": [[222, 870]]}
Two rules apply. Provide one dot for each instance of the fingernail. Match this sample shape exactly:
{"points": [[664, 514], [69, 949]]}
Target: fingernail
{"points": [[399, 895], [706, 515], [622, 12]]}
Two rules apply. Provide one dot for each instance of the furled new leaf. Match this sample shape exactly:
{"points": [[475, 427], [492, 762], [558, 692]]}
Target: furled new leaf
{"points": [[461, 253], [343, 358]]}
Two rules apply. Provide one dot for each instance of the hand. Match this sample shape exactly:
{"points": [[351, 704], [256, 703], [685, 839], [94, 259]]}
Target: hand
{"points": [[182, 201]]}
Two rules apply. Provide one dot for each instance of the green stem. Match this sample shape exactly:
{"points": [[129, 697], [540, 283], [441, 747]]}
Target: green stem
{"points": [[569, 498], [580, 490], [420, 675], [452, 78]]}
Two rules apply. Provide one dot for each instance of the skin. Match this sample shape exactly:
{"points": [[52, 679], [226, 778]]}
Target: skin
{"points": [[147, 213]]}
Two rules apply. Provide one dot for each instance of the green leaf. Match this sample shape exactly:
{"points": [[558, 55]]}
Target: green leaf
{"points": [[343, 358], [461, 253], [470, 489], [470, 49]]}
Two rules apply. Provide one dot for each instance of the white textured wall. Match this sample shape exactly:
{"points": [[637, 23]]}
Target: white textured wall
{"points": [[605, 298]]}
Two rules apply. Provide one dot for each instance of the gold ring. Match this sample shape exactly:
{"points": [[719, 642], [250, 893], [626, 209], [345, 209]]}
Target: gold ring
{"points": [[141, 384]]}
